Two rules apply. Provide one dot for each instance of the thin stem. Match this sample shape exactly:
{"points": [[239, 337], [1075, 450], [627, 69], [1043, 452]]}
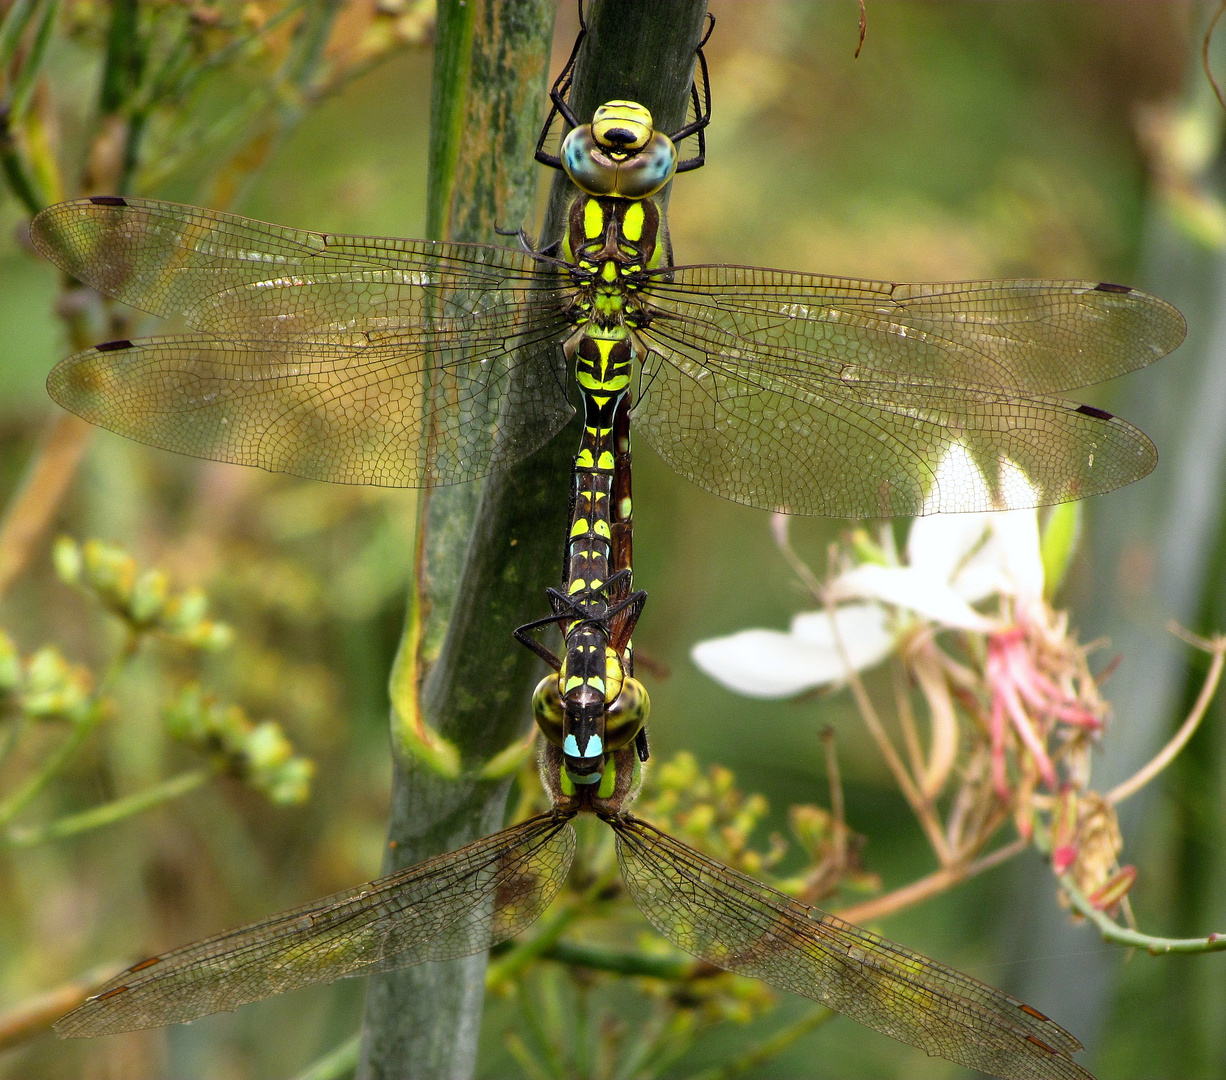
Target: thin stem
{"points": [[834, 781], [35, 1016], [906, 719], [46, 482], [769, 1048], [1217, 647], [779, 530], [518, 1049], [338, 1062], [868, 713], [626, 961], [55, 762], [927, 887], [1120, 935], [16, 729], [109, 813], [509, 965]]}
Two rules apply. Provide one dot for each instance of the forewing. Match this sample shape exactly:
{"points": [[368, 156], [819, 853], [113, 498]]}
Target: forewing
{"points": [[230, 276], [343, 358], [1025, 337], [736, 923], [802, 434], [450, 906]]}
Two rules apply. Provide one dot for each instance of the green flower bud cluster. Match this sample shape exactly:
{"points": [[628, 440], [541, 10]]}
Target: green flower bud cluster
{"points": [[258, 754], [45, 686], [143, 599], [709, 811]]}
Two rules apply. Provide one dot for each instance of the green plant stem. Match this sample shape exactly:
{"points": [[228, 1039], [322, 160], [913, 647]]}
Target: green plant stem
{"points": [[622, 961], [335, 1064], [16, 172], [122, 69], [549, 934], [50, 768], [59, 758], [1121, 935], [109, 813], [15, 727], [486, 554], [483, 552], [769, 1048]]}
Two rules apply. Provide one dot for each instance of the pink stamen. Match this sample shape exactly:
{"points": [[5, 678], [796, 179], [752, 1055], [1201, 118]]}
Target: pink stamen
{"points": [[1009, 671], [1021, 722], [996, 732]]}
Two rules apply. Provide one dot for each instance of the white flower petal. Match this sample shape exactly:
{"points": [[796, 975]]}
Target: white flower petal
{"points": [[983, 574], [939, 543], [768, 663], [908, 588], [1017, 533], [958, 482], [1016, 488], [861, 629]]}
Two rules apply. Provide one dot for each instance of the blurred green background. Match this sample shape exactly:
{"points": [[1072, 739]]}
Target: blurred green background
{"points": [[970, 139]]}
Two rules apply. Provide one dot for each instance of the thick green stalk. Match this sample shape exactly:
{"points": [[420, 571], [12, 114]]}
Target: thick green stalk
{"points": [[487, 552], [483, 550]]}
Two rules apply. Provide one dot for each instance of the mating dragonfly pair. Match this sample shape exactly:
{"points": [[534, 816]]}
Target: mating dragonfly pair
{"points": [[407, 362]]}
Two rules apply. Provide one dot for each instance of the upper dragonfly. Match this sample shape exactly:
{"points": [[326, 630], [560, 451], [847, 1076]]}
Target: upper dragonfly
{"points": [[411, 362]]}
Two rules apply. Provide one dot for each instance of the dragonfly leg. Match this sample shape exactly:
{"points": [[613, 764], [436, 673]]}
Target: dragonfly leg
{"points": [[523, 634], [557, 97], [702, 109], [629, 609], [640, 745]]}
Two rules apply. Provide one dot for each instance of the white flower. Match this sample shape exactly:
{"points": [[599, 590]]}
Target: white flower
{"points": [[952, 562]]}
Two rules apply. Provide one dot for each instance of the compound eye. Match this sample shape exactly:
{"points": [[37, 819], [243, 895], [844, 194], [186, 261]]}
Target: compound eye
{"points": [[548, 709], [648, 170], [587, 164], [627, 715], [622, 126]]}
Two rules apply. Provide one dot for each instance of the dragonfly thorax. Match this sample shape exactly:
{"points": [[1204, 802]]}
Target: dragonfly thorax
{"points": [[619, 153]]}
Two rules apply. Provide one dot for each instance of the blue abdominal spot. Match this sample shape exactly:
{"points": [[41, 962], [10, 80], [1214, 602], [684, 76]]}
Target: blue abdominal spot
{"points": [[595, 747]]}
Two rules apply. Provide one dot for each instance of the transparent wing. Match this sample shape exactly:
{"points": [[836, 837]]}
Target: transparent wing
{"points": [[864, 399], [450, 906], [739, 924], [415, 362]]}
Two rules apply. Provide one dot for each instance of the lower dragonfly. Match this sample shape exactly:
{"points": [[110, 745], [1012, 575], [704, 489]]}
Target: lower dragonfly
{"points": [[465, 901]]}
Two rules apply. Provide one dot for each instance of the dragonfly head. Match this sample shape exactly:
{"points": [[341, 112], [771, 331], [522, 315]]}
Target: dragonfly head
{"points": [[591, 719], [619, 153]]}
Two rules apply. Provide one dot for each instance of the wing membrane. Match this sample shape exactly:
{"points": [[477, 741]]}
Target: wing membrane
{"points": [[450, 906], [341, 358], [231, 276], [739, 924], [792, 432], [1024, 337]]}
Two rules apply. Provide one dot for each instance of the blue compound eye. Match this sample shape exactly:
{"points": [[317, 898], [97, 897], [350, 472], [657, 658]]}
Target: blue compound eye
{"points": [[648, 170], [627, 714], [548, 709], [587, 163], [596, 170]]}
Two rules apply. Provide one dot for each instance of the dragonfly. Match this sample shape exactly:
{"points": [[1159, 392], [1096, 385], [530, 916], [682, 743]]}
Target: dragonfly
{"points": [[416, 363], [470, 899]]}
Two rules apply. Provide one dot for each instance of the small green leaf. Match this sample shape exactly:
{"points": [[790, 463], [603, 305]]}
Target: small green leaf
{"points": [[1058, 545]]}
